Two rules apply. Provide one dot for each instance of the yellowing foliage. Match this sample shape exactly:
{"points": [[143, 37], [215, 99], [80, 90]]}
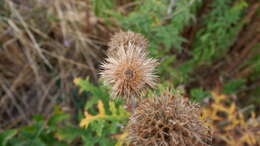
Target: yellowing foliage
{"points": [[117, 114], [121, 139], [229, 124], [76, 80], [89, 118]]}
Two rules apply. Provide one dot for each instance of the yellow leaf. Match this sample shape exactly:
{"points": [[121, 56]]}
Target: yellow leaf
{"points": [[219, 107], [76, 81], [58, 136], [101, 108], [218, 97], [247, 138], [121, 138], [88, 117]]}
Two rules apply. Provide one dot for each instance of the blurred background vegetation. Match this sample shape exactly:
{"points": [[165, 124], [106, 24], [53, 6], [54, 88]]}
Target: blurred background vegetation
{"points": [[204, 47]]}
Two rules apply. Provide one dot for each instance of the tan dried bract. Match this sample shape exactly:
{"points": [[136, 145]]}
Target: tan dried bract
{"points": [[129, 72], [167, 120], [122, 39]]}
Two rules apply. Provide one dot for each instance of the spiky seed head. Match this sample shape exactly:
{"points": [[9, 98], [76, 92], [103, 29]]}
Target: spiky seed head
{"points": [[129, 72], [167, 120], [123, 39]]}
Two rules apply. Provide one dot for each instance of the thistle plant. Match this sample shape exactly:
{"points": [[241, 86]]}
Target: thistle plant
{"points": [[167, 120], [129, 70], [163, 120]]}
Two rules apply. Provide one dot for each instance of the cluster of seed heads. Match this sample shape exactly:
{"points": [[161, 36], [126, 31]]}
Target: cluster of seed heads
{"points": [[164, 120], [127, 68]]}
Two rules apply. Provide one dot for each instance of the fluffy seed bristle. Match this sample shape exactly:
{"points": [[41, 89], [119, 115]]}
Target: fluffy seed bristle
{"points": [[129, 71], [167, 120], [123, 39]]}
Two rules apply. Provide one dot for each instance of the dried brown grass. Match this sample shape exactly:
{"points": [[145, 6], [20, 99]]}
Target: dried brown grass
{"points": [[43, 46]]}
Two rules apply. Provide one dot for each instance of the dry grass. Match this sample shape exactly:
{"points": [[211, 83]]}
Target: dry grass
{"points": [[44, 46]]}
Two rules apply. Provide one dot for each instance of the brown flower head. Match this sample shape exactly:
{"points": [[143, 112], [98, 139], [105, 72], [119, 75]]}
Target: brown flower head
{"points": [[129, 72], [123, 39], [167, 120]]}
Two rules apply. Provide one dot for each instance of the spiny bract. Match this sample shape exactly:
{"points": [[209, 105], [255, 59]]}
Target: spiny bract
{"points": [[129, 72], [123, 39], [167, 120]]}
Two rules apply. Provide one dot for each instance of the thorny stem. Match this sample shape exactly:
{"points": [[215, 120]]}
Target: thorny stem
{"points": [[131, 104]]}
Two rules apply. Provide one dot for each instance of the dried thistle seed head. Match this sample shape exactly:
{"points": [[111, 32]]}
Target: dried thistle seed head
{"points": [[129, 72], [123, 39], [167, 120]]}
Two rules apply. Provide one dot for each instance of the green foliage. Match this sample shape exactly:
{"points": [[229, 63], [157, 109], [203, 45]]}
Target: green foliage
{"points": [[253, 62], [211, 42], [198, 94], [100, 7], [6, 136], [233, 86], [221, 27], [101, 124], [96, 93], [55, 131]]}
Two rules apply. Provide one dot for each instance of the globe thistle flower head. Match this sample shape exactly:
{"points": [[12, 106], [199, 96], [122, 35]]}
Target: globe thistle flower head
{"points": [[167, 120], [122, 39], [129, 72]]}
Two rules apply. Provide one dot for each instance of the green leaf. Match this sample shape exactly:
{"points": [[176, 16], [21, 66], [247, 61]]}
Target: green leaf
{"points": [[57, 118], [198, 94], [69, 133], [6, 136], [233, 86]]}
